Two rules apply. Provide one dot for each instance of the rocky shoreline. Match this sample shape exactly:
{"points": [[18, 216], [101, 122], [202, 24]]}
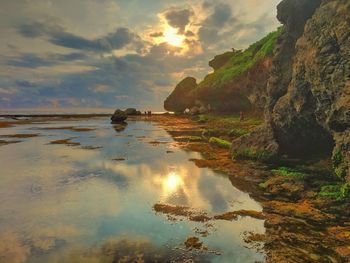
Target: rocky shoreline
{"points": [[297, 78], [304, 221]]}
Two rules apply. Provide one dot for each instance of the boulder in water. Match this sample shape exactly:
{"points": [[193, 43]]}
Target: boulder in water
{"points": [[119, 116]]}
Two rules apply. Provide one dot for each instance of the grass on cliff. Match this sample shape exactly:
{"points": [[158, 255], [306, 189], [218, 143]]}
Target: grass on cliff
{"points": [[242, 61]]}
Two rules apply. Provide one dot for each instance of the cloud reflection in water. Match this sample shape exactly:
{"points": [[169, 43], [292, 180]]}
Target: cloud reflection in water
{"points": [[70, 196]]}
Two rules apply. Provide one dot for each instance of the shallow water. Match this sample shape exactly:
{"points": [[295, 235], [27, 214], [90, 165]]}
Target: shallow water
{"points": [[60, 203]]}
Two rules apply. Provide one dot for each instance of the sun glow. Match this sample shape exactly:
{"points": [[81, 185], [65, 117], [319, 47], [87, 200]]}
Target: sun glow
{"points": [[171, 36], [172, 182]]}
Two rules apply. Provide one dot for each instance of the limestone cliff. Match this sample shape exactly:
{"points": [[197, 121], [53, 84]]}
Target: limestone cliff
{"points": [[181, 98], [308, 112], [238, 82]]}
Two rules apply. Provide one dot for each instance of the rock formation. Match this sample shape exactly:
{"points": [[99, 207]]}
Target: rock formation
{"points": [[181, 98], [119, 116], [308, 109], [220, 60], [238, 82], [132, 112]]}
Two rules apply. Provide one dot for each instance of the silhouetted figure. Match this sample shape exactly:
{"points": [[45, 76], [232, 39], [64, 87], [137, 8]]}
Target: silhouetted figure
{"points": [[241, 116], [145, 112], [149, 113]]}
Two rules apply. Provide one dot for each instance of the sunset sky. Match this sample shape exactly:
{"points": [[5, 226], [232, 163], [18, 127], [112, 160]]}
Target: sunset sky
{"points": [[117, 53]]}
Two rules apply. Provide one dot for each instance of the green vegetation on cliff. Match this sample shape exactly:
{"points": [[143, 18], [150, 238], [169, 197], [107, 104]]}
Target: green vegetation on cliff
{"points": [[242, 61], [222, 89]]}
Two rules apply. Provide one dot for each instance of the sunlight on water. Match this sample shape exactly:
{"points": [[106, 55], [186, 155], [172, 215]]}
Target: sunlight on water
{"points": [[61, 203], [172, 182]]}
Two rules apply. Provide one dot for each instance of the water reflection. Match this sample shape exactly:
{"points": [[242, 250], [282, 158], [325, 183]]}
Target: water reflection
{"points": [[120, 127], [53, 197], [172, 182]]}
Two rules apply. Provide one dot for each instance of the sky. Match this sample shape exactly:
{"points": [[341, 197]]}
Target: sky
{"points": [[117, 53]]}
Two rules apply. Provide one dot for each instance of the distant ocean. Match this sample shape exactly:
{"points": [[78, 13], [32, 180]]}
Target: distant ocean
{"points": [[65, 111]]}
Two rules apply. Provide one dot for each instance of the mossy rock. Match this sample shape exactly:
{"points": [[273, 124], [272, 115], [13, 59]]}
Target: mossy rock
{"points": [[202, 119], [238, 132], [337, 191], [289, 172], [339, 165], [220, 142], [252, 154], [213, 132], [195, 139]]}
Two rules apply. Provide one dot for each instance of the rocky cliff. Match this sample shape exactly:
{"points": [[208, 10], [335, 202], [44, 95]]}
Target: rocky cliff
{"points": [[308, 109], [239, 81], [181, 98]]}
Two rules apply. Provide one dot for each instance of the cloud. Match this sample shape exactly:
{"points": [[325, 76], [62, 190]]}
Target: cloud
{"points": [[93, 55], [31, 60], [221, 15], [211, 27], [100, 88], [179, 18], [8, 91], [189, 34], [25, 84], [57, 35], [157, 34]]}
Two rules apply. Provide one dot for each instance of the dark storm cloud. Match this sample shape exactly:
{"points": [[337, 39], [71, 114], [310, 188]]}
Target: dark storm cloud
{"points": [[57, 35], [179, 18]]}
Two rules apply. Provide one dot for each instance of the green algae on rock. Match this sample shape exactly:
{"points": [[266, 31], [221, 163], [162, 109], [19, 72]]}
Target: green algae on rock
{"points": [[220, 142]]}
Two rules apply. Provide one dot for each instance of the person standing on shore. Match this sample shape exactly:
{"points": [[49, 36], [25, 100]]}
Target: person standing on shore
{"points": [[241, 116]]}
